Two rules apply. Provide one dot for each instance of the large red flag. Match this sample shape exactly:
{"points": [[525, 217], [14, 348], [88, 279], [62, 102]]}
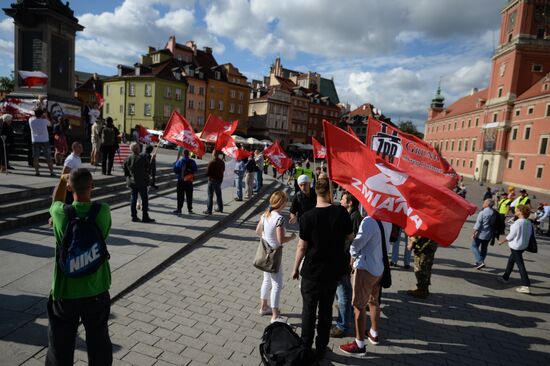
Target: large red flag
{"points": [[352, 132], [227, 145], [409, 153], [145, 137], [278, 157], [216, 126], [180, 132], [319, 151], [388, 193]]}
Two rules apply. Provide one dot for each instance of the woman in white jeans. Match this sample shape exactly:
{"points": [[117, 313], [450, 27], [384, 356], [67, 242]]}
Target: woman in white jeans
{"points": [[272, 229]]}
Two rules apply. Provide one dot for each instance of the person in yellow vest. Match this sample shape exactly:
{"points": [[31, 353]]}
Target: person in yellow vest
{"points": [[298, 170], [503, 207], [309, 172], [524, 199]]}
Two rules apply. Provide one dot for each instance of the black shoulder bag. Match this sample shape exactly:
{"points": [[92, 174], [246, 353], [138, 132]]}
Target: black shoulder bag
{"points": [[386, 276]]}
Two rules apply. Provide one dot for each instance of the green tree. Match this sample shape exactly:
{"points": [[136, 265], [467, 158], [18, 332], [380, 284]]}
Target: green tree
{"points": [[7, 84], [410, 127]]}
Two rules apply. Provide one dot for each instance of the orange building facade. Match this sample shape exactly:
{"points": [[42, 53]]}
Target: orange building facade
{"points": [[500, 135]]}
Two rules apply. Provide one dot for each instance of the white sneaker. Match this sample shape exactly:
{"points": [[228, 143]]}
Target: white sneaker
{"points": [[523, 290]]}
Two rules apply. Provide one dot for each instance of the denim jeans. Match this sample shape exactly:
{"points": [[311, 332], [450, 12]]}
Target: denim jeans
{"points": [[142, 191], [395, 252], [516, 256], [259, 181], [345, 310], [214, 187], [479, 254], [239, 185]]}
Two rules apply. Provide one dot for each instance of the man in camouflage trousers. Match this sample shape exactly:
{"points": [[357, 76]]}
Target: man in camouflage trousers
{"points": [[424, 252]]}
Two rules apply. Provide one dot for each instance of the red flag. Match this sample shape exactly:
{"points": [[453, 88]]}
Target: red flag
{"points": [[388, 193], [100, 100], [227, 145], [216, 126], [278, 157], [33, 78], [319, 151], [145, 137], [180, 132], [409, 153], [352, 132]]}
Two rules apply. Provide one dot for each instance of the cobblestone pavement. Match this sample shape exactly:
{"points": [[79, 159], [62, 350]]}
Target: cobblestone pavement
{"points": [[203, 310]]}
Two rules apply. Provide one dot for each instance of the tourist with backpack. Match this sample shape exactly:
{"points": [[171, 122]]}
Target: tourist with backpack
{"points": [[185, 170], [484, 231], [109, 146], [82, 276]]}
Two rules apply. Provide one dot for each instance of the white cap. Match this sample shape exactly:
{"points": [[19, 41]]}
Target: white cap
{"points": [[303, 179]]}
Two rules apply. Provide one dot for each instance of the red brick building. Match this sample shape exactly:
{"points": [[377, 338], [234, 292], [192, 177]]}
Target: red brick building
{"points": [[500, 135]]}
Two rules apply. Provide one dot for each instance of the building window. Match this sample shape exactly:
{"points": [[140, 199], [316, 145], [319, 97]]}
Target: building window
{"points": [[539, 172], [121, 90], [178, 93], [147, 109], [474, 141], [522, 164], [510, 161], [212, 103], [471, 163], [465, 145], [477, 121], [240, 109], [527, 133], [455, 125], [201, 90], [462, 124], [233, 94], [132, 90], [200, 120], [191, 104], [517, 112], [220, 105], [148, 90], [107, 108], [530, 110], [131, 109], [514, 133], [447, 145], [191, 89], [167, 92], [469, 123], [499, 92], [463, 163], [543, 145], [495, 116], [536, 68], [167, 110], [548, 110], [241, 95], [120, 109], [201, 105], [217, 75], [452, 145], [452, 161], [231, 108], [107, 90], [459, 145]]}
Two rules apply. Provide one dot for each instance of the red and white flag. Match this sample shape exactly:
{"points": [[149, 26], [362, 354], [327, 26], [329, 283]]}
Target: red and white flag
{"points": [[216, 126], [226, 144], [319, 151], [33, 78], [100, 100], [145, 137], [409, 153], [392, 194], [180, 132], [278, 157]]}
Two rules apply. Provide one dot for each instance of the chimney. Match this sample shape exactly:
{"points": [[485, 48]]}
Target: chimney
{"points": [[137, 69], [364, 107], [473, 91], [151, 49], [192, 45], [208, 50]]}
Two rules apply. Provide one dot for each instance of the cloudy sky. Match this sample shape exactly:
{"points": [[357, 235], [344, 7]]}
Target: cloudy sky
{"points": [[390, 53]]}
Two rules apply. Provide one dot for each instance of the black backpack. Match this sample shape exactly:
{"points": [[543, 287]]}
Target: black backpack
{"points": [[281, 346], [82, 249], [108, 136]]}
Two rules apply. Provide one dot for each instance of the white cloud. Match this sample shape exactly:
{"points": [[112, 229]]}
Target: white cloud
{"points": [[177, 21], [6, 27]]}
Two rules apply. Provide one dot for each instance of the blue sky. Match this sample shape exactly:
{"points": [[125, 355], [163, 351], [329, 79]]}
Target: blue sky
{"points": [[389, 53]]}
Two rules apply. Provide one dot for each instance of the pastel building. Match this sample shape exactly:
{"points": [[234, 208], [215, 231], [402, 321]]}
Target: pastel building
{"points": [[500, 134]]}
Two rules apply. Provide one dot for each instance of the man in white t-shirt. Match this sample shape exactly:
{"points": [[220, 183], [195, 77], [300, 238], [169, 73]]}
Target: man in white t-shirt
{"points": [[40, 140], [73, 161]]}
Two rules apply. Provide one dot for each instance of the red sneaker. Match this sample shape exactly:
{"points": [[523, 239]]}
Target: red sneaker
{"points": [[353, 349]]}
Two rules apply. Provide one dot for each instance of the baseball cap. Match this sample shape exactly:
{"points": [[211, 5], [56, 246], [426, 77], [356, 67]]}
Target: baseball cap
{"points": [[303, 179]]}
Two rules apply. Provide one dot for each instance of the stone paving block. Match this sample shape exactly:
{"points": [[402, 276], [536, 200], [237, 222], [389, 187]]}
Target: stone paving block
{"points": [[188, 331], [210, 338], [210, 328], [191, 342], [144, 337], [170, 346], [241, 347], [144, 317], [218, 350], [244, 359], [147, 350], [139, 325], [196, 355], [184, 318], [174, 358], [139, 359]]}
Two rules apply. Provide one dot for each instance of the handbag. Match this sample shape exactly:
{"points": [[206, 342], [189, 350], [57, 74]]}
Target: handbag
{"points": [[385, 282], [532, 246], [267, 259]]}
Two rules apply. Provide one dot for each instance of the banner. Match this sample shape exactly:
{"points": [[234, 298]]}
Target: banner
{"points": [[145, 137], [33, 78], [390, 194], [180, 132], [278, 157], [215, 126], [409, 153], [20, 109], [319, 151]]}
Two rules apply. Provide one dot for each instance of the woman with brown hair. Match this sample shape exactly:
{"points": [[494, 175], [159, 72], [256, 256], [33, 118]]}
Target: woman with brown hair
{"points": [[272, 229], [518, 240]]}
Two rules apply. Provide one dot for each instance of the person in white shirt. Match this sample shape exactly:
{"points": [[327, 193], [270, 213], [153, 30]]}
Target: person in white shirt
{"points": [[73, 161], [544, 209], [518, 240], [272, 229], [40, 140], [94, 114]]}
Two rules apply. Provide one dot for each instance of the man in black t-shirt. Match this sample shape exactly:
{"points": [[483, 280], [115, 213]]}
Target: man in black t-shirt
{"points": [[323, 232], [303, 201]]}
